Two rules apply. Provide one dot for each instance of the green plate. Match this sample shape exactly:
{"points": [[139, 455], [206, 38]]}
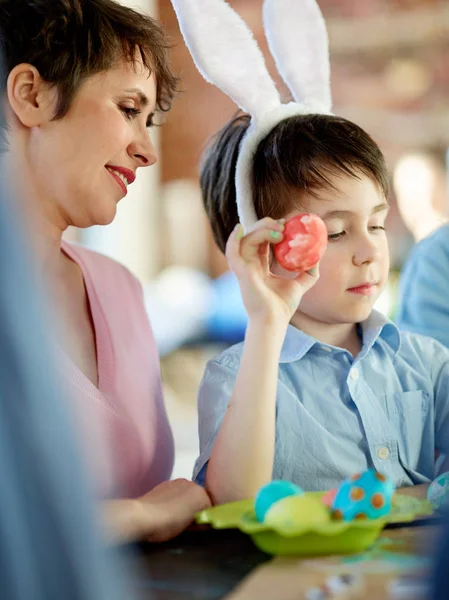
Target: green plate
{"points": [[334, 537]]}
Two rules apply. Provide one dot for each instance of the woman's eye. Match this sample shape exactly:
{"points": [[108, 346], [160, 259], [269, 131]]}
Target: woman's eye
{"points": [[130, 113], [377, 228], [333, 237]]}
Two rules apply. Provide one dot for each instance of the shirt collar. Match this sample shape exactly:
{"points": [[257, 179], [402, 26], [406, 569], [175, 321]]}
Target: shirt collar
{"points": [[297, 343], [378, 325]]}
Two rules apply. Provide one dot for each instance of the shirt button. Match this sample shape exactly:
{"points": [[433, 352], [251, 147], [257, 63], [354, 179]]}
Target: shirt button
{"points": [[354, 373], [383, 453]]}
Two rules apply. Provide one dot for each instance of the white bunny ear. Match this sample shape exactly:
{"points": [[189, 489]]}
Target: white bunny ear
{"points": [[227, 54], [298, 41]]}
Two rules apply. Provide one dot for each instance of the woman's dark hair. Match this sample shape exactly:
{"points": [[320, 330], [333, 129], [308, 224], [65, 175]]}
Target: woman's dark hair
{"points": [[69, 40], [298, 156]]}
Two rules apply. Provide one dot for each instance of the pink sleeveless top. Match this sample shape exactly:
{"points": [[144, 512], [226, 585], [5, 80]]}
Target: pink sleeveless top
{"points": [[123, 427]]}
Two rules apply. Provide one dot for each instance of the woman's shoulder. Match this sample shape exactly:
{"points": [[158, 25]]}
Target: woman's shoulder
{"points": [[103, 270]]}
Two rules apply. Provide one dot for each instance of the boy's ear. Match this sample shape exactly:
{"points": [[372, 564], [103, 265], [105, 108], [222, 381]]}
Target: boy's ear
{"points": [[32, 100]]}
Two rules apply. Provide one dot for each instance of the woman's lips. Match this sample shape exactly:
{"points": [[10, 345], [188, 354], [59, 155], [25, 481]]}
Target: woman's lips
{"points": [[119, 181]]}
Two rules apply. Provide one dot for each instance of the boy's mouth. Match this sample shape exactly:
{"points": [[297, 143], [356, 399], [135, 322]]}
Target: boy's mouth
{"points": [[364, 289]]}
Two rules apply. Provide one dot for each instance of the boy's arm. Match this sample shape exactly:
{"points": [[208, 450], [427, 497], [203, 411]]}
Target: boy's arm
{"points": [[243, 454]]}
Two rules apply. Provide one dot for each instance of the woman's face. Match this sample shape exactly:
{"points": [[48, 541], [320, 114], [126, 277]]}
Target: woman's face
{"points": [[81, 165]]}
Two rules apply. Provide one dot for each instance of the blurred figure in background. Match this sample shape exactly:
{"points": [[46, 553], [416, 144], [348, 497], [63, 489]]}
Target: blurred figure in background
{"points": [[423, 303], [420, 189], [441, 569], [49, 547], [83, 81]]}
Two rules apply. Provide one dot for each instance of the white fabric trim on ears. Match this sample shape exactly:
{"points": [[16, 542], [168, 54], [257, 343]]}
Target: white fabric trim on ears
{"points": [[256, 132], [226, 53], [297, 38]]}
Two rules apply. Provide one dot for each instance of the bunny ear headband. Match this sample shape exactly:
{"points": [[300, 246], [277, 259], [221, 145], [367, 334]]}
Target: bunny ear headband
{"points": [[227, 55]]}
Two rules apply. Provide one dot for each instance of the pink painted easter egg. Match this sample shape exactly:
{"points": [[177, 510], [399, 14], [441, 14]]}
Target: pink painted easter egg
{"points": [[304, 243]]}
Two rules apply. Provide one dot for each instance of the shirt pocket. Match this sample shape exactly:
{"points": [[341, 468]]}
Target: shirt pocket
{"points": [[408, 412]]}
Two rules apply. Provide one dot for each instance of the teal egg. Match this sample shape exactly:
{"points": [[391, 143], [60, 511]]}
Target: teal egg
{"points": [[271, 493], [438, 492], [366, 495]]}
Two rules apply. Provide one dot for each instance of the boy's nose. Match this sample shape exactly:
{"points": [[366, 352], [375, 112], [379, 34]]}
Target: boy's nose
{"points": [[365, 253]]}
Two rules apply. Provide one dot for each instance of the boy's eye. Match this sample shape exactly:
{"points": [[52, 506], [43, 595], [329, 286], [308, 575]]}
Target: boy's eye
{"points": [[332, 237]]}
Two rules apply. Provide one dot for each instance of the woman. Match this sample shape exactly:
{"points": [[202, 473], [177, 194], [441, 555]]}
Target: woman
{"points": [[84, 79]]}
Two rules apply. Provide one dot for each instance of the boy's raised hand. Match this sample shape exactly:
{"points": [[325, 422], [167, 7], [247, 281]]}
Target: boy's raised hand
{"points": [[265, 295]]}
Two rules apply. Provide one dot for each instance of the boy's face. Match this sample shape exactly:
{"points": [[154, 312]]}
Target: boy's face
{"points": [[354, 268]]}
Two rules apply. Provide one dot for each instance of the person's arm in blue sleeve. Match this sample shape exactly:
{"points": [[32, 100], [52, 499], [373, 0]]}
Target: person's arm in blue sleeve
{"points": [[243, 453], [438, 357], [423, 305], [213, 399]]}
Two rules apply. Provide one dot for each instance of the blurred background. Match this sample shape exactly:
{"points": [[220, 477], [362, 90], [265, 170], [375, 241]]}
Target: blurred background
{"points": [[389, 73]]}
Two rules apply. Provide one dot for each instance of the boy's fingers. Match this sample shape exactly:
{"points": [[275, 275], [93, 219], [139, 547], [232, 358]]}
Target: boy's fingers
{"points": [[248, 247], [233, 246], [315, 271], [268, 223], [250, 244], [310, 277]]}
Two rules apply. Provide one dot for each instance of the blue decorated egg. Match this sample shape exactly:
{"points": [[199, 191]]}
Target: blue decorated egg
{"points": [[364, 496], [438, 492], [271, 493]]}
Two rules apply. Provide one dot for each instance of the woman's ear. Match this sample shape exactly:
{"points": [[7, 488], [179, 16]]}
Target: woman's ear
{"points": [[32, 100]]}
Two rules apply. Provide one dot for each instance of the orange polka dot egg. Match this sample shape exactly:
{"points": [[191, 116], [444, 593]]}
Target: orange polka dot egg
{"points": [[363, 496]]}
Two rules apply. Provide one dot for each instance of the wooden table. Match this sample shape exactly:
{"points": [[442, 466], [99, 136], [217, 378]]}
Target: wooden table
{"points": [[290, 579], [206, 564], [200, 564]]}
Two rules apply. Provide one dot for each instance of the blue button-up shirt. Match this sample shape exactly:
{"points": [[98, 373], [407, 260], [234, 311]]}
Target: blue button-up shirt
{"points": [[337, 415], [423, 305]]}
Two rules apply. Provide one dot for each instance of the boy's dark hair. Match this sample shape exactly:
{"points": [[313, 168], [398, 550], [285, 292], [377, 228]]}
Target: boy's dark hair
{"points": [[70, 40], [298, 156]]}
